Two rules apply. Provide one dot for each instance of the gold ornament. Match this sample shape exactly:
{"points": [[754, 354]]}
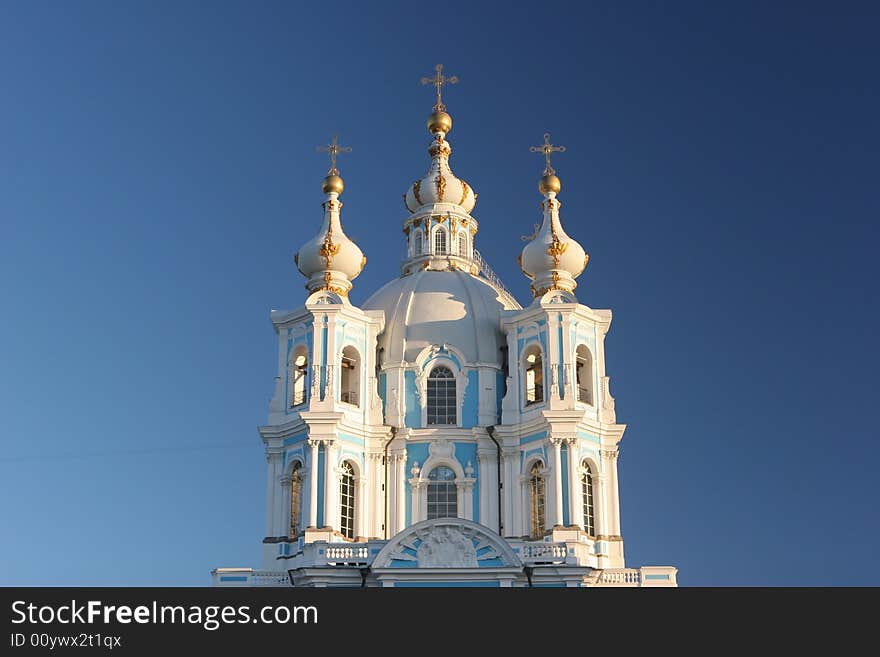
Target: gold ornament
{"points": [[441, 186]]}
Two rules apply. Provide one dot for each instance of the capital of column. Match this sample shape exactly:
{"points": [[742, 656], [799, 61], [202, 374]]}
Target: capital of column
{"points": [[284, 480], [610, 454]]}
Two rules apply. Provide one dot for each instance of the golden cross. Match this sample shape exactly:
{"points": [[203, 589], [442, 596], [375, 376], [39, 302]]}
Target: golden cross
{"points": [[438, 81], [546, 148], [334, 148]]}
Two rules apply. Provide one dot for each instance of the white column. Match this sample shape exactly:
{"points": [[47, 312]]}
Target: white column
{"points": [[569, 359], [552, 356], [465, 499], [600, 484], [362, 515], [374, 488], [401, 491], [511, 492], [523, 515], [332, 390], [284, 516], [485, 473], [554, 515], [316, 366], [273, 457], [313, 483], [614, 498], [331, 485], [575, 492]]}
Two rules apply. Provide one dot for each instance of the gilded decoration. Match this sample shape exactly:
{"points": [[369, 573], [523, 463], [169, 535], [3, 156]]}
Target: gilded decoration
{"points": [[416, 185], [464, 191], [440, 180]]}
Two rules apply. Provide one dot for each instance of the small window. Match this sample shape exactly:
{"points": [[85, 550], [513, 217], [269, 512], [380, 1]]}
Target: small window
{"points": [[295, 500], [534, 366], [299, 379], [346, 500], [350, 376], [587, 489], [440, 242], [441, 397], [442, 494], [536, 499], [417, 243], [462, 245], [584, 370]]}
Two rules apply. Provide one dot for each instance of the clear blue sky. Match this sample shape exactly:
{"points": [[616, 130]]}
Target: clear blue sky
{"points": [[158, 171]]}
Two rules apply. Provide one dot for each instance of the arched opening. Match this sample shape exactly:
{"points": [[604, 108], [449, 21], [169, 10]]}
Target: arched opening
{"points": [[440, 242], [587, 491], [584, 371], [462, 245], [417, 243], [536, 499], [346, 500], [534, 375], [441, 396], [442, 493], [299, 377], [295, 499], [349, 383]]}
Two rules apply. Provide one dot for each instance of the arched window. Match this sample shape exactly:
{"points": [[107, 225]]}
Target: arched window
{"points": [[587, 489], [534, 365], [417, 243], [299, 375], [536, 499], [346, 500], [441, 396], [462, 245], [350, 378], [584, 370], [295, 499], [442, 494], [440, 242]]}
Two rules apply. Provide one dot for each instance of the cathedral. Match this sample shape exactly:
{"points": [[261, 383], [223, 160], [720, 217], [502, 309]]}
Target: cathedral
{"points": [[441, 434]]}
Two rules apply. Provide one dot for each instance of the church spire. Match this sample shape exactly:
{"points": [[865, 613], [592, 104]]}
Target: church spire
{"points": [[551, 259], [440, 186], [330, 261]]}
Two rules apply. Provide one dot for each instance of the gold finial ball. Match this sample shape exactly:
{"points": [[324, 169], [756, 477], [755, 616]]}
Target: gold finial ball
{"points": [[439, 122], [332, 183], [549, 183]]}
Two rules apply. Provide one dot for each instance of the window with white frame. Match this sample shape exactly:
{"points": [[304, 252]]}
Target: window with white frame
{"points": [[295, 499], [299, 378], [417, 243], [442, 402], [536, 499], [440, 242], [534, 375], [346, 500], [350, 369], [462, 245], [584, 371], [587, 490], [442, 494]]}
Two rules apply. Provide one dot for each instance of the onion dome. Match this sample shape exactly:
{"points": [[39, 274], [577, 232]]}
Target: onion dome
{"points": [[551, 259], [330, 261], [440, 185]]}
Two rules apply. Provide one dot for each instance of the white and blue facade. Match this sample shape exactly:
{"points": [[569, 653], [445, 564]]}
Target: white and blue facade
{"points": [[441, 434]]}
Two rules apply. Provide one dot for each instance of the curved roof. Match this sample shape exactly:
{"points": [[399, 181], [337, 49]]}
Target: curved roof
{"points": [[440, 307]]}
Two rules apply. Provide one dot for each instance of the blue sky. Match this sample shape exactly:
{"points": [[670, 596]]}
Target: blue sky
{"points": [[158, 171]]}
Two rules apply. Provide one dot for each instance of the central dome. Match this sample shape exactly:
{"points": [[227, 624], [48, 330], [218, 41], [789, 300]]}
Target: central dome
{"points": [[436, 307]]}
